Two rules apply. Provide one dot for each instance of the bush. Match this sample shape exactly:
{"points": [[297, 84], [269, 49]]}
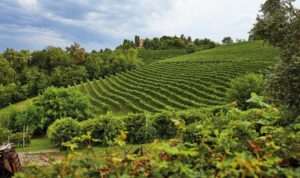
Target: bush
{"points": [[191, 47], [95, 126], [242, 87], [63, 130], [163, 124], [112, 127], [62, 102], [140, 129]]}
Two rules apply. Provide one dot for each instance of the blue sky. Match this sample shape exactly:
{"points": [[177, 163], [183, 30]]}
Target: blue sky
{"points": [[96, 24]]}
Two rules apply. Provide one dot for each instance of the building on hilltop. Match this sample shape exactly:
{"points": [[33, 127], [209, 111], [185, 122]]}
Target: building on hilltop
{"points": [[141, 43]]}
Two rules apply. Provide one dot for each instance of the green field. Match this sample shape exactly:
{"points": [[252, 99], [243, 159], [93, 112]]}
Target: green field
{"points": [[38, 144], [151, 56], [187, 81]]}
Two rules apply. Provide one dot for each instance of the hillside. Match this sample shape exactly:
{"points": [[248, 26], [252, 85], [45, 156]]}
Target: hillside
{"points": [[151, 56], [188, 81]]}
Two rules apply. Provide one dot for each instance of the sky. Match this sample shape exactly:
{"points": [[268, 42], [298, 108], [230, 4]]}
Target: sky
{"points": [[97, 24]]}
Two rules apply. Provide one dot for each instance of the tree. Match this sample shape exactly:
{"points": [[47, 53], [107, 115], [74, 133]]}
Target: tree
{"points": [[94, 65], [56, 57], [7, 73], [77, 53], [17, 60], [34, 80], [279, 24], [137, 41], [7, 94], [65, 76], [62, 102], [227, 40]]}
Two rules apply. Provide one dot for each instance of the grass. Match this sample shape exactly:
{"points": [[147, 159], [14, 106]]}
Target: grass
{"points": [[38, 144]]}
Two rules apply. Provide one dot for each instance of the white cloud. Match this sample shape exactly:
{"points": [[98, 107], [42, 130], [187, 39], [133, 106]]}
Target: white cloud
{"points": [[28, 4], [32, 36], [104, 23]]}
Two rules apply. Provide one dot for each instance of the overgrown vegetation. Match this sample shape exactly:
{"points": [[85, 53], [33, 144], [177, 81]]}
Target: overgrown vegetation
{"points": [[225, 143]]}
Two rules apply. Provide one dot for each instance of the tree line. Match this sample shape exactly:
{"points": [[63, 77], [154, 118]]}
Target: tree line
{"points": [[24, 74], [170, 42]]}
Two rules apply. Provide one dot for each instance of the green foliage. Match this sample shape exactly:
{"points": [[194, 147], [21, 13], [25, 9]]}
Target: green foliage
{"points": [[33, 72], [229, 143], [169, 42], [61, 102], [140, 128], [163, 124], [63, 130], [31, 118], [279, 24], [7, 73], [4, 135], [284, 85], [191, 47], [18, 138], [95, 127], [151, 56], [112, 127], [242, 87], [64, 76], [227, 40], [17, 59]]}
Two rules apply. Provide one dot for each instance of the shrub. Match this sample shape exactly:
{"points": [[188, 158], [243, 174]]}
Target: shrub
{"points": [[95, 126], [62, 102], [242, 87], [163, 124], [191, 47], [140, 128], [112, 127], [63, 130]]}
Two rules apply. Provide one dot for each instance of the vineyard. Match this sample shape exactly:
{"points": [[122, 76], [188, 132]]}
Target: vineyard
{"points": [[188, 81], [151, 56]]}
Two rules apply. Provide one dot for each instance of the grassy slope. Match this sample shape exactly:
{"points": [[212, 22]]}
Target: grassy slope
{"points": [[245, 51], [151, 56], [188, 81]]}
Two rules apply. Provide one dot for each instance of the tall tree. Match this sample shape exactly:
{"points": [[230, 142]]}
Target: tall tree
{"points": [[7, 73], [137, 41], [279, 24], [77, 53]]}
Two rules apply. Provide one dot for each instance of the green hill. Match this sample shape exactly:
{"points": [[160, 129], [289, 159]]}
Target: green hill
{"points": [[188, 81], [151, 56]]}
